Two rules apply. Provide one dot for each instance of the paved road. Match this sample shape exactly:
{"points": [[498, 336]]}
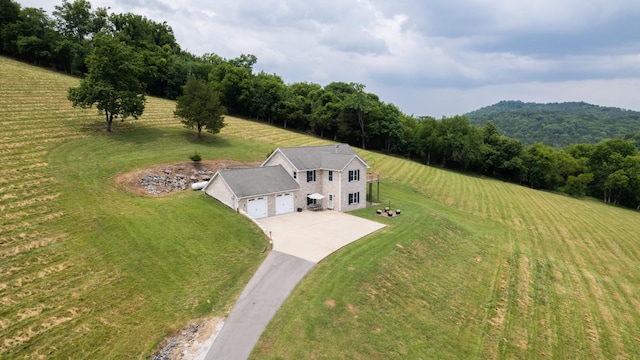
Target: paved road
{"points": [[260, 300]]}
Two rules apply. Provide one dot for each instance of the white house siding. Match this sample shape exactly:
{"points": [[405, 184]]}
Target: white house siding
{"points": [[219, 190], [279, 159], [308, 188], [331, 187], [359, 186]]}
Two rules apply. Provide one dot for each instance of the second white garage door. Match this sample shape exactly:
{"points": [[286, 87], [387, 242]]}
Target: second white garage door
{"points": [[284, 204], [257, 208]]}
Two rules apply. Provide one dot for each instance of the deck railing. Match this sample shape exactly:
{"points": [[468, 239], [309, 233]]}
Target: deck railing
{"points": [[373, 177]]}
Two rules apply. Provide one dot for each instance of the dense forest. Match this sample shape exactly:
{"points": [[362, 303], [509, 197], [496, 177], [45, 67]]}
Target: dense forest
{"points": [[77, 39], [558, 124]]}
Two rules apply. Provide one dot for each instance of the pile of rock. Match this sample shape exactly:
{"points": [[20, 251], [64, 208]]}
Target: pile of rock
{"points": [[174, 346], [173, 178]]}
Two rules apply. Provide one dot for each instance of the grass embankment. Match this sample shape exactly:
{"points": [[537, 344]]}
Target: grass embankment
{"points": [[474, 268], [88, 270]]}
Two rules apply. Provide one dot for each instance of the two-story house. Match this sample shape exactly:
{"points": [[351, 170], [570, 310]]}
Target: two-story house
{"points": [[330, 177]]}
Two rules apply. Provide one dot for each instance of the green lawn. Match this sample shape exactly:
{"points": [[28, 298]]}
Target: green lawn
{"points": [[473, 268], [88, 270]]}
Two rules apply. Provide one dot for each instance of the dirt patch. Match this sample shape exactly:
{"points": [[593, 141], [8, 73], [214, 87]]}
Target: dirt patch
{"points": [[330, 303], [165, 179]]}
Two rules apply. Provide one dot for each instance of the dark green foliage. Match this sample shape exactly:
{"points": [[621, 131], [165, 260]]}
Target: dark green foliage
{"points": [[9, 12], [512, 140], [199, 107], [558, 124], [195, 157], [113, 83]]}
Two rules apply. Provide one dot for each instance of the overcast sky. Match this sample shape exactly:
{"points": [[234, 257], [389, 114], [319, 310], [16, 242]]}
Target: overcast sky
{"points": [[429, 57]]}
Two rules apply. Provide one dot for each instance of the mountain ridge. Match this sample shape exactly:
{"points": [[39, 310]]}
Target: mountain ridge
{"points": [[557, 124]]}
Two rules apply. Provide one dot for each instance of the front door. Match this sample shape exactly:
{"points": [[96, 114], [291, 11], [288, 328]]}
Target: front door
{"points": [[330, 202]]}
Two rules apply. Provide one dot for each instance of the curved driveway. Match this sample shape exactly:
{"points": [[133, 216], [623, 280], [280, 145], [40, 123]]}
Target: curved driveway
{"points": [[300, 240]]}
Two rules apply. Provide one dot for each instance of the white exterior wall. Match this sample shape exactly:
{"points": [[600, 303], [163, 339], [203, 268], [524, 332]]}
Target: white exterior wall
{"points": [[331, 187], [308, 188], [218, 189], [353, 186], [279, 159], [340, 187]]}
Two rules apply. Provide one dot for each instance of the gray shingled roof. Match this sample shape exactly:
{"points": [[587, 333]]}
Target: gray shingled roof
{"points": [[259, 181], [328, 157]]}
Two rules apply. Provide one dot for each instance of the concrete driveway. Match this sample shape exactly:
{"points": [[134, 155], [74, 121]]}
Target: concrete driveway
{"points": [[313, 235], [300, 240]]}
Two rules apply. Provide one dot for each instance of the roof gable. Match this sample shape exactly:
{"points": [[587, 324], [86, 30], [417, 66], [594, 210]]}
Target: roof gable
{"points": [[329, 157], [258, 181]]}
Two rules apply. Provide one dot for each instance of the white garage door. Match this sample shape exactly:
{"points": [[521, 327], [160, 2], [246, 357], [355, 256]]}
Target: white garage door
{"points": [[284, 204], [257, 208]]}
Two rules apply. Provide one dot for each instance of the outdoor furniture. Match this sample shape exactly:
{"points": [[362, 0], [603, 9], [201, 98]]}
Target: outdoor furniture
{"points": [[314, 207]]}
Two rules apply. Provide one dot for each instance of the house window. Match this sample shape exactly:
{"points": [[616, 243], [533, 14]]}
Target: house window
{"points": [[330, 175], [354, 198], [311, 176], [295, 174], [354, 175]]}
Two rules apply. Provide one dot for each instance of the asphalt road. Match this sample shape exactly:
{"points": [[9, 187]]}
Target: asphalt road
{"points": [[260, 300]]}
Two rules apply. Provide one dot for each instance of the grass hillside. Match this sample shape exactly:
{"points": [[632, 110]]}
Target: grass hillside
{"points": [[473, 268], [88, 270]]}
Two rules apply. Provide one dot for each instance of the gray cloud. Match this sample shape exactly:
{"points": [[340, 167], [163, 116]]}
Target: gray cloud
{"points": [[460, 52]]}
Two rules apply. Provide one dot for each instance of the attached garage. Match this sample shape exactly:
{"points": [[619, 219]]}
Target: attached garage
{"points": [[257, 208], [284, 204], [257, 192]]}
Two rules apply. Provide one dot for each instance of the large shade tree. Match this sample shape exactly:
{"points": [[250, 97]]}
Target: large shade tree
{"points": [[113, 83], [200, 107]]}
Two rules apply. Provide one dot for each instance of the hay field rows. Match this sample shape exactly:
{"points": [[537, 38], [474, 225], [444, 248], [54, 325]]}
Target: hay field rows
{"points": [[565, 281], [475, 268], [75, 250]]}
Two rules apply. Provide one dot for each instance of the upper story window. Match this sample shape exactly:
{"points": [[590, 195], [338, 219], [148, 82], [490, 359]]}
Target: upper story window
{"points": [[330, 175], [354, 175], [311, 176]]}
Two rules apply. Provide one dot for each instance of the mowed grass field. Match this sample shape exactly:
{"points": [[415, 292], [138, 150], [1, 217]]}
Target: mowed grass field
{"points": [[473, 268], [88, 270]]}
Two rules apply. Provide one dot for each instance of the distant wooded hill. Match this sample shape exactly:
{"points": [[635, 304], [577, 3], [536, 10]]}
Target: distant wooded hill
{"points": [[558, 124]]}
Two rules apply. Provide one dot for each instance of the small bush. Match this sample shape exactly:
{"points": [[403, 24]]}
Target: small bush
{"points": [[195, 157]]}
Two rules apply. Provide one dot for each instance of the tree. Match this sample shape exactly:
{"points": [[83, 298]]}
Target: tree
{"points": [[268, 93], [608, 157], [430, 139], [113, 83], [9, 13], [235, 86], [29, 38], [359, 102], [74, 20], [615, 184], [200, 107], [461, 142]]}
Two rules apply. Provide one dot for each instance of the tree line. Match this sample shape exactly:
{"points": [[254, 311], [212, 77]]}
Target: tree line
{"points": [[122, 57]]}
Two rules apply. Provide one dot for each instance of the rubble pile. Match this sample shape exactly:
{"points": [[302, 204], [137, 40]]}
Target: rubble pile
{"points": [[172, 178]]}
